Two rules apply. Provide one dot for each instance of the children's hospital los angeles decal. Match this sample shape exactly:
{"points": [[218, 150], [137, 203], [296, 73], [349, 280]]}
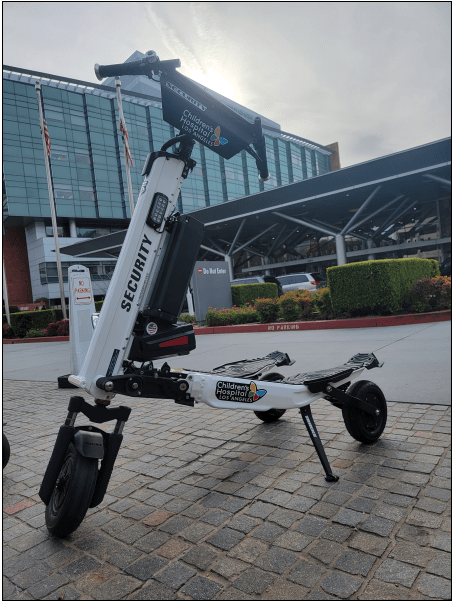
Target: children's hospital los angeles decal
{"points": [[243, 393]]}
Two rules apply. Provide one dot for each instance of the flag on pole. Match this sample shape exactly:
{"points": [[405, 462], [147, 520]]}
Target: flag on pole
{"points": [[47, 137], [126, 140]]}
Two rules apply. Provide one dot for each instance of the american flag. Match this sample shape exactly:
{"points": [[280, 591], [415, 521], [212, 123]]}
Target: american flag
{"points": [[126, 141], [47, 138]]}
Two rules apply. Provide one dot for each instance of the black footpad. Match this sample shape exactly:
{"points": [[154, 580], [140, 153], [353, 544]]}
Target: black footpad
{"points": [[249, 368], [316, 381]]}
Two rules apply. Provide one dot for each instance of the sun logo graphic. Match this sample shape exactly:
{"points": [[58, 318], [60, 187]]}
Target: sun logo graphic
{"points": [[217, 138], [255, 393]]}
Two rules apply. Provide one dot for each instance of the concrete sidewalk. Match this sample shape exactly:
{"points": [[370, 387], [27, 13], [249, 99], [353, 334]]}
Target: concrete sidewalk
{"points": [[211, 504]]}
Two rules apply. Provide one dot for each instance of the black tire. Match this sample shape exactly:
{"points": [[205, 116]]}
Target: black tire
{"points": [[360, 425], [271, 415], [72, 493], [6, 450]]}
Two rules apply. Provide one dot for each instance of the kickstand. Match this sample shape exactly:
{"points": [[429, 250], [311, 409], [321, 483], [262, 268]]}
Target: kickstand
{"points": [[307, 417]]}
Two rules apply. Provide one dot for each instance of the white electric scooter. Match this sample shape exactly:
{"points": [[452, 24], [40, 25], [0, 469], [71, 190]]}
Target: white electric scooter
{"points": [[139, 319]]}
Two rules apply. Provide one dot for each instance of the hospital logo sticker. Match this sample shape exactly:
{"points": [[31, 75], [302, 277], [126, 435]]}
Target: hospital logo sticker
{"points": [[238, 392], [217, 138], [256, 393]]}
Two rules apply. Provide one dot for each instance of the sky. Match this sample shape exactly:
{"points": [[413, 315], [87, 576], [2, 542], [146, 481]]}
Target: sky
{"points": [[373, 76]]}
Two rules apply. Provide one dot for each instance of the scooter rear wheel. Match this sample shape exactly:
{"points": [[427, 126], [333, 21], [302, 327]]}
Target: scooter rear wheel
{"points": [[360, 425], [72, 493], [271, 415]]}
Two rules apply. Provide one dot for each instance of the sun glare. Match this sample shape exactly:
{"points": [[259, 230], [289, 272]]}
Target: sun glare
{"points": [[214, 81]]}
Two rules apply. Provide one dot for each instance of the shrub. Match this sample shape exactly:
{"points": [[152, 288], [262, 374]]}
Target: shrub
{"points": [[188, 318], [58, 329], [379, 286], [24, 321], [235, 315], [98, 305], [248, 293], [322, 303], [431, 294], [295, 305], [8, 332], [267, 310], [36, 333]]}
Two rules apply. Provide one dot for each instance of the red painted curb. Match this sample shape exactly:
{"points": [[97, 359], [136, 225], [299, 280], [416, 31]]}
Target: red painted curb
{"points": [[36, 340], [380, 321]]}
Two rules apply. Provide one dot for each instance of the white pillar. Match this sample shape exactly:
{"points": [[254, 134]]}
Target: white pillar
{"points": [[228, 258], [341, 249], [73, 231], [267, 262], [370, 246]]}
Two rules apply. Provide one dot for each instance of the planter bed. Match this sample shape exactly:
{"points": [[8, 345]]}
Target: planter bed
{"points": [[370, 322]]}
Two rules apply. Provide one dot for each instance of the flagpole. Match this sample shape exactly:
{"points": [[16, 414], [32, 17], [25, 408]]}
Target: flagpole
{"points": [[5, 293], [51, 199], [118, 83]]}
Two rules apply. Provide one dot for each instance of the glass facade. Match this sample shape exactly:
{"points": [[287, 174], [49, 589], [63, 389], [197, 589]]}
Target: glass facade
{"points": [[87, 160]]}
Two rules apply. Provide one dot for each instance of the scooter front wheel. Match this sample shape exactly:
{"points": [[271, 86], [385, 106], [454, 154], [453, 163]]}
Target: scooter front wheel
{"points": [[72, 493], [6, 450]]}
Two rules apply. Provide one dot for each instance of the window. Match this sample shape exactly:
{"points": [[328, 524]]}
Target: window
{"points": [[55, 115], [62, 231], [82, 156], [59, 153], [63, 191], [86, 193]]}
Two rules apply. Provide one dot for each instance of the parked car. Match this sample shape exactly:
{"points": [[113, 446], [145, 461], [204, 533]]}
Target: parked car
{"points": [[260, 280], [446, 267], [310, 281]]}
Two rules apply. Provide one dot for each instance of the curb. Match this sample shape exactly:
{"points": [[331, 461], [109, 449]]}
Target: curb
{"points": [[380, 322], [35, 340]]}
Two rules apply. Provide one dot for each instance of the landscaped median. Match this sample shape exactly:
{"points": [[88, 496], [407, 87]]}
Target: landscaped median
{"points": [[374, 321]]}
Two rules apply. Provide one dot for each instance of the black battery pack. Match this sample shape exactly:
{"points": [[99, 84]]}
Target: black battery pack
{"points": [[171, 285]]}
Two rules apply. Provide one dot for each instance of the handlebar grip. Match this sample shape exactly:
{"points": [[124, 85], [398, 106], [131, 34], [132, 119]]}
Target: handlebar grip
{"points": [[141, 67], [133, 68]]}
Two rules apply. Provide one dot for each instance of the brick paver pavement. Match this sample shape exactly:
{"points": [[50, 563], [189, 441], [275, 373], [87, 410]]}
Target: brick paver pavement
{"points": [[210, 504]]}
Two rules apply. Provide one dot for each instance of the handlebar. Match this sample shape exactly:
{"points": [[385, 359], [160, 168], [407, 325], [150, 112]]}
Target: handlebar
{"points": [[259, 145], [147, 66]]}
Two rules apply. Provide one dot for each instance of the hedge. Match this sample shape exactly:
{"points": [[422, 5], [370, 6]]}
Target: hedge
{"points": [[376, 286], [248, 293], [24, 321]]}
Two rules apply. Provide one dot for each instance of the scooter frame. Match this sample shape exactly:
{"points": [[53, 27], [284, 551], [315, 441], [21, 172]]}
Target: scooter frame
{"points": [[109, 369]]}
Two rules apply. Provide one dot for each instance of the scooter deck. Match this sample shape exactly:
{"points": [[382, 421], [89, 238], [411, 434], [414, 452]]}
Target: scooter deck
{"points": [[250, 368], [317, 380]]}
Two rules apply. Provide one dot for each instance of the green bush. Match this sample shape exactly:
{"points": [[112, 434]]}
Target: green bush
{"points": [[36, 333], [295, 305], [24, 321], [188, 318], [267, 310], [235, 315], [98, 305], [431, 294], [379, 286], [322, 303], [8, 332], [248, 293]]}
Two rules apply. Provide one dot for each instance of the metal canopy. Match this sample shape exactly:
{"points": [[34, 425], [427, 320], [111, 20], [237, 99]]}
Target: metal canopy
{"points": [[385, 187]]}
